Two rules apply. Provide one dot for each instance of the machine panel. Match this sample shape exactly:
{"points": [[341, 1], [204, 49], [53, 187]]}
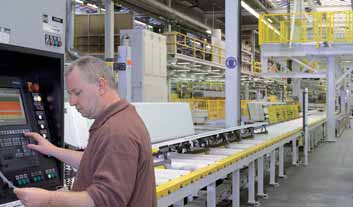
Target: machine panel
{"points": [[31, 99]]}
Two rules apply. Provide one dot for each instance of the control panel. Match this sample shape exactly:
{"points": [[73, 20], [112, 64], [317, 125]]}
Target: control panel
{"points": [[23, 109]]}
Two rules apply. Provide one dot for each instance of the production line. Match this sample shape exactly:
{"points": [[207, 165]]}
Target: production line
{"points": [[188, 173]]}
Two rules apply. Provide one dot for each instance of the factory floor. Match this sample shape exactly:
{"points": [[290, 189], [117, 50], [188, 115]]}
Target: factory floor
{"points": [[326, 182]]}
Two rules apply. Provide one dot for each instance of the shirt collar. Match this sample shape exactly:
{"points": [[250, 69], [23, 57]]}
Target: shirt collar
{"points": [[108, 112]]}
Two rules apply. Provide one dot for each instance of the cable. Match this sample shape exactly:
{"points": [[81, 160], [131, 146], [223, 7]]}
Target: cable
{"points": [[9, 183]]}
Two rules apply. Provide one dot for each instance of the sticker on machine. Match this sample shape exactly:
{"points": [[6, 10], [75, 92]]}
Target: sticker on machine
{"points": [[5, 35], [53, 25]]}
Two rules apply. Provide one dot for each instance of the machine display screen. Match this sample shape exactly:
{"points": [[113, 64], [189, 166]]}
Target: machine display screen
{"points": [[11, 107]]}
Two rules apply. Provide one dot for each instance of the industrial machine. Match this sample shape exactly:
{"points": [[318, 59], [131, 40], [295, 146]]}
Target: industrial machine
{"points": [[31, 93]]}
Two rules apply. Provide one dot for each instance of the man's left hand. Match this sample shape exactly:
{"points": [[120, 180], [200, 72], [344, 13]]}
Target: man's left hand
{"points": [[34, 197]]}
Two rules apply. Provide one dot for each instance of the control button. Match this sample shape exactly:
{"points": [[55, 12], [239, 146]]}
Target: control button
{"points": [[44, 135], [41, 126], [40, 117]]}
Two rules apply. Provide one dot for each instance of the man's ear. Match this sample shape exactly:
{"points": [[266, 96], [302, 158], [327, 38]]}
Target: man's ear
{"points": [[102, 85]]}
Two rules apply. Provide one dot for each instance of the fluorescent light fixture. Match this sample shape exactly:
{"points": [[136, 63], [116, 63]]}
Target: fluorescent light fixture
{"points": [[208, 31], [92, 5], [249, 9], [201, 73], [270, 20], [138, 22], [103, 9], [183, 63], [182, 70], [79, 1]]}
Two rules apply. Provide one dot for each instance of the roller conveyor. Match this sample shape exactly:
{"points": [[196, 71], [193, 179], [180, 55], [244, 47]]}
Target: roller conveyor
{"points": [[217, 158], [240, 146], [187, 164], [164, 175], [224, 151], [197, 157]]}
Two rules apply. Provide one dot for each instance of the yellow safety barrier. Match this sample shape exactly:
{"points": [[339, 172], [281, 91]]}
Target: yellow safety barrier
{"points": [[178, 43], [316, 27]]}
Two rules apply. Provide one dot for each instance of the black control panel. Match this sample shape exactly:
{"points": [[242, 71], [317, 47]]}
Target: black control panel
{"points": [[31, 100], [22, 110]]}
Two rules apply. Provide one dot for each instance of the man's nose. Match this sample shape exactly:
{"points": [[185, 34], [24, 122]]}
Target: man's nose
{"points": [[72, 101]]}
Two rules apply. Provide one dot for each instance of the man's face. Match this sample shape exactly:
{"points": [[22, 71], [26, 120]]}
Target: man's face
{"points": [[83, 95]]}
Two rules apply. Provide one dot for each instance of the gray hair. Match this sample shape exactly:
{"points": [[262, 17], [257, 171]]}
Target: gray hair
{"points": [[91, 69]]}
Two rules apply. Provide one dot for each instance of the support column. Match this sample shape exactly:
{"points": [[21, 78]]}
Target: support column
{"points": [[70, 26], [251, 184], [273, 169], [305, 127], [247, 92], [260, 178], [281, 163], [236, 189], [349, 99], [330, 99], [294, 152], [233, 61], [169, 25], [109, 33], [211, 195]]}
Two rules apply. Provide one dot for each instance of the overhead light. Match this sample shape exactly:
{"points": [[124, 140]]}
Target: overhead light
{"points": [[270, 20], [138, 22], [79, 1], [183, 63], [208, 31], [92, 5], [249, 9], [202, 73], [182, 70], [103, 9], [196, 66]]}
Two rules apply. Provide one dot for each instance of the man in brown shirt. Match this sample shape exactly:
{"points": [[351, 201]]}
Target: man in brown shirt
{"points": [[116, 168]]}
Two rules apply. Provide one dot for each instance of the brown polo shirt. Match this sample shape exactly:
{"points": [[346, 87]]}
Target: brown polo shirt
{"points": [[117, 166]]}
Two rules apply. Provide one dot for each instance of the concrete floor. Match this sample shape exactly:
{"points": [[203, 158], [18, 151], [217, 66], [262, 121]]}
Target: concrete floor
{"points": [[326, 182]]}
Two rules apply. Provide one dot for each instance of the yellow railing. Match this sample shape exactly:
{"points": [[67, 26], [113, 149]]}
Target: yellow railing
{"points": [[178, 43], [314, 27]]}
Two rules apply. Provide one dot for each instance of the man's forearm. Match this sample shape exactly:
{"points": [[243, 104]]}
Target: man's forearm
{"points": [[69, 199], [70, 157]]}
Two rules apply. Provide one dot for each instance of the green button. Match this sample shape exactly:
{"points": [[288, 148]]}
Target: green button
{"points": [[49, 175]]}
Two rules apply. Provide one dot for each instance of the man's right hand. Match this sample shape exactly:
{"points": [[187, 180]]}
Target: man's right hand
{"points": [[43, 146]]}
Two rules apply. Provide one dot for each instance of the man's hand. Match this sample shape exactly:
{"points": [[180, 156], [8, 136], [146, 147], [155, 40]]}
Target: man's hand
{"points": [[43, 146], [35, 197]]}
